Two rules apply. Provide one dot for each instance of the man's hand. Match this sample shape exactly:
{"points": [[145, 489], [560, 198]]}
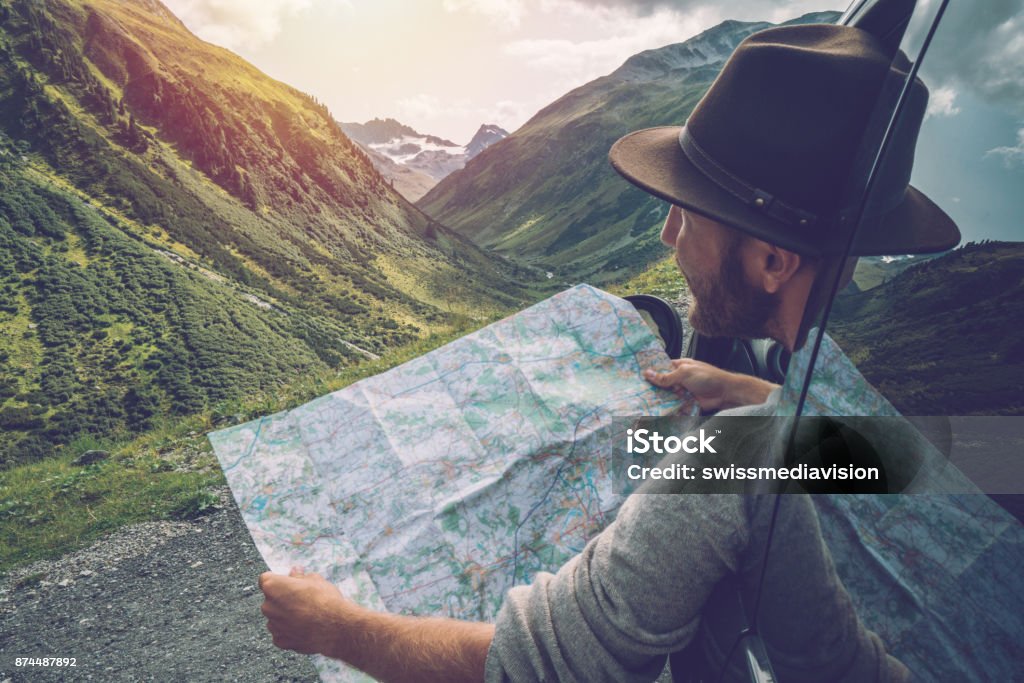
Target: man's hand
{"points": [[304, 611], [714, 388], [307, 614]]}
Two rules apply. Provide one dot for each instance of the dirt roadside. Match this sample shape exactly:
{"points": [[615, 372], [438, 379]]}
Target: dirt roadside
{"points": [[161, 601]]}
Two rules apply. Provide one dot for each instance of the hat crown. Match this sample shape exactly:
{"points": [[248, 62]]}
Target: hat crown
{"points": [[789, 111]]}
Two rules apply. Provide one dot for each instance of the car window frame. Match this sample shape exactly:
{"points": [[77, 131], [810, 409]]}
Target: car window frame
{"points": [[749, 646], [832, 280]]}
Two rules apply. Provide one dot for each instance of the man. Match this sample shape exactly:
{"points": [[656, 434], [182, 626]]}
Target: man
{"points": [[757, 180]]}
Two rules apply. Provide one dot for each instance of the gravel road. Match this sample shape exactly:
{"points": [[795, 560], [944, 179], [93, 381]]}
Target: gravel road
{"points": [[161, 601]]}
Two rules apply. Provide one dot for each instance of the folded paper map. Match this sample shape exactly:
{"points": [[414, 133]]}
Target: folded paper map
{"points": [[435, 487]]}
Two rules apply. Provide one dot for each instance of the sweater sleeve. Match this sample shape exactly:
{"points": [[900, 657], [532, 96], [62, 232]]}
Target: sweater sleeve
{"points": [[633, 595]]}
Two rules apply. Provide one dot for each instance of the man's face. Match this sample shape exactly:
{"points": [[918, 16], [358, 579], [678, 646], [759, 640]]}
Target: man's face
{"points": [[723, 302]]}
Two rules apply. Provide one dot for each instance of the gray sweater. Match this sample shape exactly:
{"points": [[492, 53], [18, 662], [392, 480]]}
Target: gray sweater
{"points": [[653, 581]]}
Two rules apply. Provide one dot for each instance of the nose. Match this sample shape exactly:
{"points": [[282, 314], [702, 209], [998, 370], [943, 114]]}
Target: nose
{"points": [[673, 222]]}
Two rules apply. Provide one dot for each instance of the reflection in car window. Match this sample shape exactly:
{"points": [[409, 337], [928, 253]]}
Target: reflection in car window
{"points": [[942, 335]]}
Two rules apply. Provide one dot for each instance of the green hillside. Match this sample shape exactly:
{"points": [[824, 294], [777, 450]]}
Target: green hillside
{"points": [[943, 337], [546, 194], [178, 229]]}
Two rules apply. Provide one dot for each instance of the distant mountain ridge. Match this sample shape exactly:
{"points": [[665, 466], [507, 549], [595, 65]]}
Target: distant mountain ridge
{"points": [[942, 336], [485, 136], [710, 47], [415, 162], [547, 196], [379, 131]]}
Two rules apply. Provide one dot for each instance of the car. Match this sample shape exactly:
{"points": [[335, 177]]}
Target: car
{"points": [[936, 335]]}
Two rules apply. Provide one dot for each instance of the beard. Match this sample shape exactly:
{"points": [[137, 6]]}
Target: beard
{"points": [[728, 305]]}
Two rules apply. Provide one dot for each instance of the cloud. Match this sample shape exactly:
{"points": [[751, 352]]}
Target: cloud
{"points": [[643, 7], [422, 106], [237, 23], [510, 13], [1012, 157], [941, 102], [770, 10], [424, 112], [980, 48], [507, 13], [429, 113], [573, 62], [510, 114]]}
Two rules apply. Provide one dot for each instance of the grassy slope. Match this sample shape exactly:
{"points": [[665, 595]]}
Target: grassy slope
{"points": [[939, 337], [546, 194], [943, 337], [51, 507], [178, 230], [570, 212], [662, 278], [876, 270]]}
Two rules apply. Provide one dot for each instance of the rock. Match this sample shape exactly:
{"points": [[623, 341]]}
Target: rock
{"points": [[90, 457]]}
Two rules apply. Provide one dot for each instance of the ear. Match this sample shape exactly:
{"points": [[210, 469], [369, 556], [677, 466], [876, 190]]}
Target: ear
{"points": [[774, 266]]}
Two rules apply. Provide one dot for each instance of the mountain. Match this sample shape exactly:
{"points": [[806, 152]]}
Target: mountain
{"points": [[485, 136], [875, 270], [383, 131], [547, 196], [412, 161], [178, 230], [407, 181], [942, 337]]}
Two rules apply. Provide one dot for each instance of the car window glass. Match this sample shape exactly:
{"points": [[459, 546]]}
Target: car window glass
{"points": [[938, 338], [941, 334], [787, 543]]}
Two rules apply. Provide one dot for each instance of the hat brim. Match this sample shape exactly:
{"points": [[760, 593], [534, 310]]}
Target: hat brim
{"points": [[915, 226], [652, 160]]}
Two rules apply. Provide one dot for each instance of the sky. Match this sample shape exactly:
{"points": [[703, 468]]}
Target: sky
{"points": [[445, 67], [970, 154]]}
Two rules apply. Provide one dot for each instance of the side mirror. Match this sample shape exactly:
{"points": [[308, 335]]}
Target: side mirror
{"points": [[663, 319], [823, 442]]}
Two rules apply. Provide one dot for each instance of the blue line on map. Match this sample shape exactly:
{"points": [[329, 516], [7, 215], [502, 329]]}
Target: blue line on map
{"points": [[248, 451], [543, 499]]}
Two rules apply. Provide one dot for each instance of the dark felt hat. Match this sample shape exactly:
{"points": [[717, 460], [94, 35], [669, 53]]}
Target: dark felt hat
{"points": [[770, 148]]}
